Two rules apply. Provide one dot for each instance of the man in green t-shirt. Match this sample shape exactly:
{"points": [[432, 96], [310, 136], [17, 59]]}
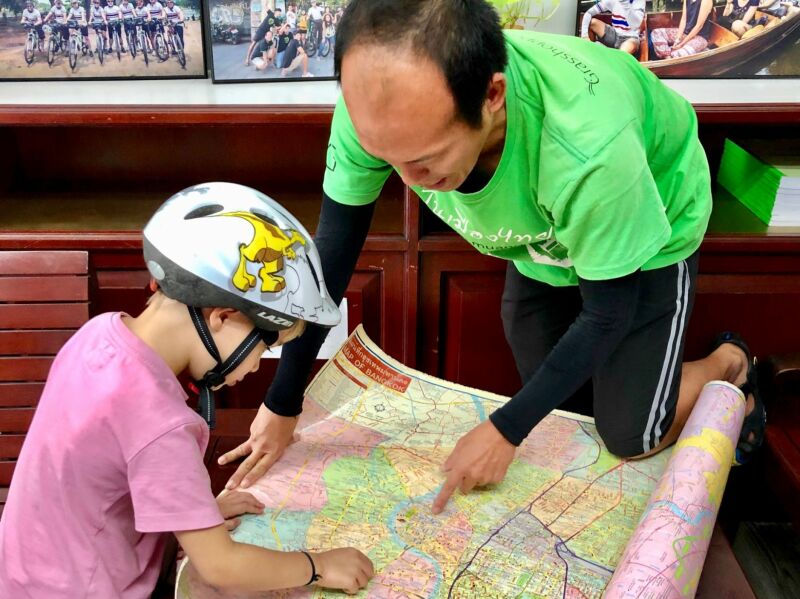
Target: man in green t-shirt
{"points": [[565, 158]]}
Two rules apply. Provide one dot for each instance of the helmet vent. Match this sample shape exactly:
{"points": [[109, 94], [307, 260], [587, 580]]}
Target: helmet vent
{"points": [[263, 216], [204, 211]]}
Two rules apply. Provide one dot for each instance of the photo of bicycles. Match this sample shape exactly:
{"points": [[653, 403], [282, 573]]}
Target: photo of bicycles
{"points": [[272, 40], [101, 39]]}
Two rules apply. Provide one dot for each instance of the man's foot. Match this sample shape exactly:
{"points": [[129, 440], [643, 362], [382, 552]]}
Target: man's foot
{"points": [[308, 74], [743, 374]]}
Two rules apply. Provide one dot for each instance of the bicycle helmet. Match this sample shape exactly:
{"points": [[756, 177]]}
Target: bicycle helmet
{"points": [[227, 245]]}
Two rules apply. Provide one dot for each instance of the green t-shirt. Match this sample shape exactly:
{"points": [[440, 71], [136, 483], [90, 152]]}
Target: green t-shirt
{"points": [[602, 172]]}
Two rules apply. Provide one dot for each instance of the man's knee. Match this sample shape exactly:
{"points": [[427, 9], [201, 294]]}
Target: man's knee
{"points": [[621, 446], [627, 439]]}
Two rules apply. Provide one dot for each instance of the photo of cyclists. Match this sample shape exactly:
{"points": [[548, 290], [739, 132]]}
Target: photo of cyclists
{"points": [[272, 40], [731, 39], [101, 39]]}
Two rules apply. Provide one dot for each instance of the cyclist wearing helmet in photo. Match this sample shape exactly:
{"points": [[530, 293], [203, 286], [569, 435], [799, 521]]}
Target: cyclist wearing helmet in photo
{"points": [[114, 19], [113, 443], [142, 13], [33, 18], [58, 14], [77, 15], [97, 16], [155, 12], [175, 18], [126, 13]]}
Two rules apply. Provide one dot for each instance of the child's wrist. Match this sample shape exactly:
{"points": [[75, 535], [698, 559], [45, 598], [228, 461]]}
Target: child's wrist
{"points": [[315, 574]]}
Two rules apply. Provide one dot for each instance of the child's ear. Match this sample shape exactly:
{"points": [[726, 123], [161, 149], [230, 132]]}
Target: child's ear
{"points": [[218, 316]]}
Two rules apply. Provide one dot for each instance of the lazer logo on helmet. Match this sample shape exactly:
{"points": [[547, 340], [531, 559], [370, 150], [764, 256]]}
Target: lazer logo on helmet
{"points": [[276, 319]]}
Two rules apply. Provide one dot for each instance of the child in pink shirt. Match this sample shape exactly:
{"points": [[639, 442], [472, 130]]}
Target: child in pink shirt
{"points": [[113, 461]]}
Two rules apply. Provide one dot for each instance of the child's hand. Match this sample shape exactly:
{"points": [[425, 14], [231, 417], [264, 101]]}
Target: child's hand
{"points": [[236, 503], [347, 569]]}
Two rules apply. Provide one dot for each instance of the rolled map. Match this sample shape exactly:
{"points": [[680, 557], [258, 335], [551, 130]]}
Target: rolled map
{"points": [[666, 552]]}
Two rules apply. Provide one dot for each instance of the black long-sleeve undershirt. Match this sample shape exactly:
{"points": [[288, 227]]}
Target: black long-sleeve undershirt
{"points": [[340, 236]]}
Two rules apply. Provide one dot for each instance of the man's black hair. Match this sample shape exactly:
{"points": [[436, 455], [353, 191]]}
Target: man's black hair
{"points": [[462, 37]]}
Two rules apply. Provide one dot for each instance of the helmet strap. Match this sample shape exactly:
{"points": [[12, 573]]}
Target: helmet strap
{"points": [[216, 376]]}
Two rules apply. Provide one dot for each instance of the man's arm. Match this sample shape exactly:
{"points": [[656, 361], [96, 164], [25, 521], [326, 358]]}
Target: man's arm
{"points": [[482, 457]]}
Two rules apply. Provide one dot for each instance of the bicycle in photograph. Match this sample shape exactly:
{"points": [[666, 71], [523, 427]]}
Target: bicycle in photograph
{"points": [[99, 41], [116, 43], [310, 44], [76, 44], [143, 41], [174, 42], [325, 43], [159, 44], [130, 35], [54, 41], [31, 42]]}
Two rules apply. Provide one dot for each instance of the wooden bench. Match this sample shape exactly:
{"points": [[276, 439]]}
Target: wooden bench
{"points": [[44, 298]]}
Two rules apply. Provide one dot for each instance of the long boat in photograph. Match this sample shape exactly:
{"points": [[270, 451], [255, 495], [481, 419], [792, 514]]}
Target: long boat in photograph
{"points": [[726, 52]]}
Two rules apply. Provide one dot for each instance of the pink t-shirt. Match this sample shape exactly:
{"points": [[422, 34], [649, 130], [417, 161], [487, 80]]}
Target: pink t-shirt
{"points": [[113, 462]]}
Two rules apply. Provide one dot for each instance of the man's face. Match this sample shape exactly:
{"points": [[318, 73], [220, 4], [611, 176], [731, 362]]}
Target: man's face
{"points": [[404, 113]]}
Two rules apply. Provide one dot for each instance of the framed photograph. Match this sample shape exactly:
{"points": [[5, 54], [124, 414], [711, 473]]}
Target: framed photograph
{"points": [[272, 40], [686, 39], [101, 39]]}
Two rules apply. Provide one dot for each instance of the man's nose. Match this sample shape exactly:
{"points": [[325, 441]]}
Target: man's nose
{"points": [[413, 174]]}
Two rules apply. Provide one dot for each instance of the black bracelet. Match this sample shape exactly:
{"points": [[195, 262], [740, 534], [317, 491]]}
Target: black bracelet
{"points": [[314, 576]]}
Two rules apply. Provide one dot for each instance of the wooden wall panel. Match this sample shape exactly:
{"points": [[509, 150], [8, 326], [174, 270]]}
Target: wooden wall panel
{"points": [[32, 342], [43, 263], [43, 299], [43, 316], [20, 394]]}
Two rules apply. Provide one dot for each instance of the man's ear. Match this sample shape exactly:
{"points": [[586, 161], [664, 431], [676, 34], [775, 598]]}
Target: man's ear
{"points": [[496, 93]]}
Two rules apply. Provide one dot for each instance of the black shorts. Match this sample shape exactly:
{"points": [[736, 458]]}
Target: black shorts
{"points": [[635, 393]]}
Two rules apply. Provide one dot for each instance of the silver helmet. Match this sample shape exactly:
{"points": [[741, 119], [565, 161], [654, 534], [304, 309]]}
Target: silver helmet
{"points": [[227, 245]]}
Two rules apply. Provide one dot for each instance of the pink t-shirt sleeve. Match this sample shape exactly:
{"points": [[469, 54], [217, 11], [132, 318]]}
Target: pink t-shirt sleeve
{"points": [[170, 487]]}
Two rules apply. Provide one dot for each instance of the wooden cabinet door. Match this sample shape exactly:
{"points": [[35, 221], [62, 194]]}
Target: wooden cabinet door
{"points": [[752, 288], [461, 335]]}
